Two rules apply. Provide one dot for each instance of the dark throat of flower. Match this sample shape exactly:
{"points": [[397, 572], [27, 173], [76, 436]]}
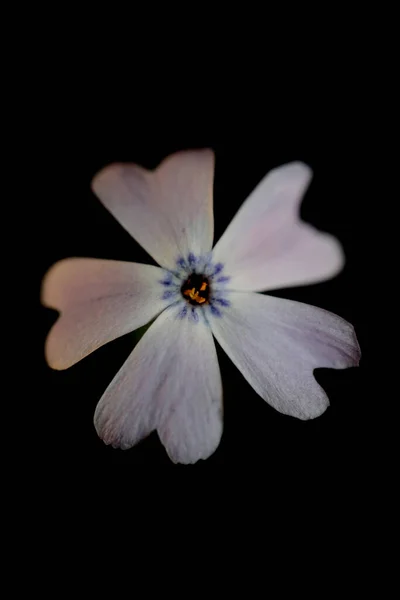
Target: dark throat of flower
{"points": [[196, 289]]}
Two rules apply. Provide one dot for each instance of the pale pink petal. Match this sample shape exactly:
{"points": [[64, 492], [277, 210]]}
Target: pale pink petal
{"points": [[276, 344], [168, 211], [266, 246], [99, 300], [171, 382]]}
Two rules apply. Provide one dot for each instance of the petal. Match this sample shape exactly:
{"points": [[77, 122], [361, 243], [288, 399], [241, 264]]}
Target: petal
{"points": [[277, 343], [171, 382], [168, 211], [266, 246], [100, 300]]}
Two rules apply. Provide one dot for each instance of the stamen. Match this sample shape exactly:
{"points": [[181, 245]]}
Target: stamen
{"points": [[196, 289]]}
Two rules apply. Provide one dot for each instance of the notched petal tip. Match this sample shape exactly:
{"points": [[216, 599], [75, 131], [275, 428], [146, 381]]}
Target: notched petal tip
{"points": [[113, 170], [55, 278], [325, 253], [155, 206], [295, 168], [187, 454], [187, 460], [268, 246], [106, 173], [202, 153], [104, 431], [47, 283], [54, 360], [339, 260], [315, 413], [47, 299]]}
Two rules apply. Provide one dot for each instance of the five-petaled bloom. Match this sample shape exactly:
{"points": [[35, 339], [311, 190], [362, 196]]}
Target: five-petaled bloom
{"points": [[171, 381]]}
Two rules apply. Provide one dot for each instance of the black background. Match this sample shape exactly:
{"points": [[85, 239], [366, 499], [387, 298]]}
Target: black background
{"points": [[90, 121]]}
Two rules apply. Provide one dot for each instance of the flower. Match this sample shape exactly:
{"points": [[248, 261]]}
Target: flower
{"points": [[171, 381]]}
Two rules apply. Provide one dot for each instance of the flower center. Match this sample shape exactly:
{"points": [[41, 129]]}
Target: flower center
{"points": [[196, 289]]}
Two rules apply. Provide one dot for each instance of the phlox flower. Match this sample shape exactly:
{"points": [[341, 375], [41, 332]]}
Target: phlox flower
{"points": [[171, 381]]}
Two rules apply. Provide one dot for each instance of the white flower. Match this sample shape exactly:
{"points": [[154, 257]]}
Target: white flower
{"points": [[171, 381]]}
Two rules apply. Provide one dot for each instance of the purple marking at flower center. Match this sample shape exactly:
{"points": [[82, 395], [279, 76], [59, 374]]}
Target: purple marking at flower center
{"points": [[222, 301], [168, 294], [215, 311], [192, 259], [192, 284], [183, 312], [218, 268]]}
